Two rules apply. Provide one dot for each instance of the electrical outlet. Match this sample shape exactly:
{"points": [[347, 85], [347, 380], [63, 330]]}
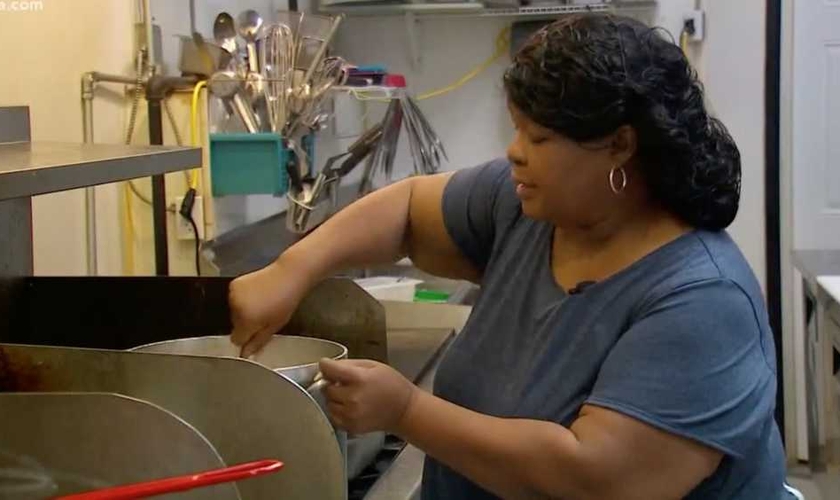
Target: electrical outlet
{"points": [[183, 228], [694, 23]]}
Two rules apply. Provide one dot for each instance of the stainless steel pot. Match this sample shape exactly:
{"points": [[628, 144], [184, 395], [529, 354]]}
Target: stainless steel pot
{"points": [[294, 357]]}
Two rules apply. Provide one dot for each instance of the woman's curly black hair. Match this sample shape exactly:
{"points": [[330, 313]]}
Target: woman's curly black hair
{"points": [[586, 75]]}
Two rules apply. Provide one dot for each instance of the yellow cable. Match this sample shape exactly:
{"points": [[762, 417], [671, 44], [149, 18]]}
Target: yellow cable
{"points": [[502, 49], [128, 187], [128, 232], [684, 36], [194, 174]]}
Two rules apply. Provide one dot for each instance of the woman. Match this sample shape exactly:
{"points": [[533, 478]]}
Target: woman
{"points": [[620, 348]]}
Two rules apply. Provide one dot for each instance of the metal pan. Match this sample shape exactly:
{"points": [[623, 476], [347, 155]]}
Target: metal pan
{"points": [[295, 357]]}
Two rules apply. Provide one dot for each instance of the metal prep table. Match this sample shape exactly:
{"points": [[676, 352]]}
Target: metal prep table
{"points": [[29, 169]]}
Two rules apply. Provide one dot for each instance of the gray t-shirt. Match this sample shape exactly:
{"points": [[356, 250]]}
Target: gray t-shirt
{"points": [[679, 340]]}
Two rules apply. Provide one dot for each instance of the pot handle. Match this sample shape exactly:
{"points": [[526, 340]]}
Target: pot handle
{"points": [[316, 390], [317, 386]]}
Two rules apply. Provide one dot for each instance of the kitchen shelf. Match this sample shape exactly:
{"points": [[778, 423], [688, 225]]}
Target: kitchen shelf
{"points": [[475, 9], [417, 11], [372, 93], [35, 168]]}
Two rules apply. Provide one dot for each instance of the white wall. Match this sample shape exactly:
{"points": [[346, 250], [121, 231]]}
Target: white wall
{"points": [[732, 63], [46, 53], [472, 121], [75, 37]]}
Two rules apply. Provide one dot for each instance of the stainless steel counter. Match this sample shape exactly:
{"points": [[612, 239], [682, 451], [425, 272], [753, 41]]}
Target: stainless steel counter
{"points": [[29, 169], [253, 246], [403, 478], [822, 356], [34, 168], [813, 263], [414, 352]]}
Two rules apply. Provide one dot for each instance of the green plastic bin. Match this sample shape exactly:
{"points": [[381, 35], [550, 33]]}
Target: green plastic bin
{"points": [[431, 296], [248, 164]]}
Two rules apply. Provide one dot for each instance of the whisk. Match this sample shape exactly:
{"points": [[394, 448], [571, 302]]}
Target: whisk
{"points": [[278, 65]]}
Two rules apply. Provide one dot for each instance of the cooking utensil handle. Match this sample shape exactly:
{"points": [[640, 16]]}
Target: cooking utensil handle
{"points": [[322, 50], [246, 113], [361, 148], [181, 483], [366, 141], [253, 58]]}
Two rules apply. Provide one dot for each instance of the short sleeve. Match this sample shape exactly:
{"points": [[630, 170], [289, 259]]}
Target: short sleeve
{"points": [[693, 365], [470, 209]]}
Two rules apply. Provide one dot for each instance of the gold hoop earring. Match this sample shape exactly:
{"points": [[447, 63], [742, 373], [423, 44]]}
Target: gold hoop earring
{"points": [[616, 186]]}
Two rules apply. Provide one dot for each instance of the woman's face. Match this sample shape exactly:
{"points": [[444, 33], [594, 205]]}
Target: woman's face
{"points": [[559, 180]]}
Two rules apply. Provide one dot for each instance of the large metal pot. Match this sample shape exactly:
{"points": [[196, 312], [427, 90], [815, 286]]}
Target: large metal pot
{"points": [[294, 357]]}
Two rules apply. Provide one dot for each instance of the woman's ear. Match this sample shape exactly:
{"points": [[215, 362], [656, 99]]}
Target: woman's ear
{"points": [[623, 145]]}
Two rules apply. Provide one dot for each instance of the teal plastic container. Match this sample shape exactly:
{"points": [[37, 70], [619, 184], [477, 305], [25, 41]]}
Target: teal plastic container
{"points": [[243, 164]]}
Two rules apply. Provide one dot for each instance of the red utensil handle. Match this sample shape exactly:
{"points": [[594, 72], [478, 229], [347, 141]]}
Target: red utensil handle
{"points": [[181, 483]]}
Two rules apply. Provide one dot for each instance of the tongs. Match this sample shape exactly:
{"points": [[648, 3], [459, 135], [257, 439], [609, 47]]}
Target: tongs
{"points": [[357, 152], [354, 155], [425, 146], [181, 483], [306, 198]]}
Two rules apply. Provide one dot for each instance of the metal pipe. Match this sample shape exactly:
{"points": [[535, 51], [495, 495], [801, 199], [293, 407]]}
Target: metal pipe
{"points": [[157, 88], [90, 229], [88, 84], [192, 17], [108, 78], [147, 23], [89, 81], [158, 192]]}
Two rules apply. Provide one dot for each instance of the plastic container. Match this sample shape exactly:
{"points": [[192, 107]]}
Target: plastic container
{"points": [[243, 164], [390, 288], [431, 296]]}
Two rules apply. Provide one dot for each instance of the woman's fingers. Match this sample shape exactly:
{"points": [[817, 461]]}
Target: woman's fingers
{"points": [[257, 341], [345, 372]]}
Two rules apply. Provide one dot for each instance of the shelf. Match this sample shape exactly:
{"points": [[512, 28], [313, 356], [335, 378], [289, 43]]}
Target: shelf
{"points": [[35, 168], [475, 9], [399, 9], [372, 93]]}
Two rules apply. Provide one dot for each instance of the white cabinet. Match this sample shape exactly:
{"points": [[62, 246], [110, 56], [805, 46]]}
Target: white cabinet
{"points": [[822, 362]]}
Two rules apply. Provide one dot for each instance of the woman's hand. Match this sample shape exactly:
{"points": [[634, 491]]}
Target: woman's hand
{"points": [[366, 396], [262, 302]]}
